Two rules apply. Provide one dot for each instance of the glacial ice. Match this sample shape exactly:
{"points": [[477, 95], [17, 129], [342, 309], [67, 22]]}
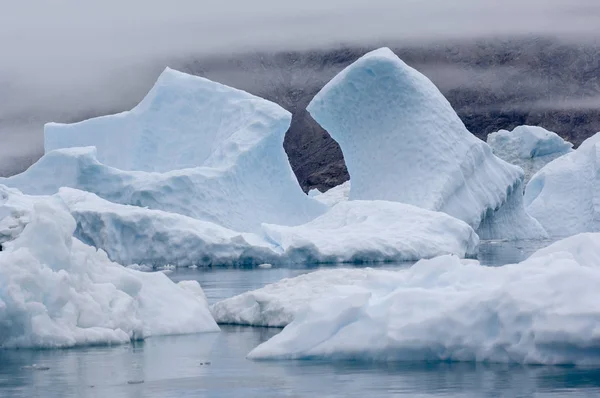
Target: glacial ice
{"points": [[544, 310], [135, 235], [192, 147], [352, 232], [563, 195], [403, 142], [56, 291], [529, 147], [333, 196], [374, 231]]}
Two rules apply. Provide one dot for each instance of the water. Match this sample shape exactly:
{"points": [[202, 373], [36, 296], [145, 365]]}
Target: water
{"points": [[214, 365]]}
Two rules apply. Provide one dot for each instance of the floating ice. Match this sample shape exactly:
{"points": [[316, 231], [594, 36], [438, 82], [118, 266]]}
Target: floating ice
{"points": [[403, 142], [563, 195], [529, 147], [131, 235], [219, 152], [544, 310], [374, 231], [57, 292]]}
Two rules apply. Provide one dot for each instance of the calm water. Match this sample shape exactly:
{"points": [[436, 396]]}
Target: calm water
{"points": [[214, 365]]}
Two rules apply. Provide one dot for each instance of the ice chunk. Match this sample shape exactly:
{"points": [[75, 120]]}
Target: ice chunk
{"points": [[374, 231], [277, 304], [219, 152], [131, 235], [57, 292], [334, 195], [529, 147], [542, 311], [184, 121], [563, 195], [403, 142], [357, 231]]}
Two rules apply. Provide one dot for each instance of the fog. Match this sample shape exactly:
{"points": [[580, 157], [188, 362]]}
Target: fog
{"points": [[63, 59]]}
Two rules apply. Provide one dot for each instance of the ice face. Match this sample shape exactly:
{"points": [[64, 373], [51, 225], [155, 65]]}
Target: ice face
{"points": [[374, 231], [529, 147], [192, 147], [57, 292], [541, 311], [184, 121], [135, 235], [562, 196], [403, 142]]}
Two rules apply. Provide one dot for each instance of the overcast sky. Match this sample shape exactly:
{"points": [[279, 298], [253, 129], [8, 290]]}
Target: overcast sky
{"points": [[59, 58]]}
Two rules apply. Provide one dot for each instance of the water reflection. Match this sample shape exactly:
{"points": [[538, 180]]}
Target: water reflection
{"points": [[214, 365]]}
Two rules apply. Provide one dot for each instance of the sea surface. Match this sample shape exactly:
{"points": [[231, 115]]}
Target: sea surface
{"points": [[214, 364]]}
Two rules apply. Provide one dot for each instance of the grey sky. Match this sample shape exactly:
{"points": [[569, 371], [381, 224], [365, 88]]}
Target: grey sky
{"points": [[59, 58]]}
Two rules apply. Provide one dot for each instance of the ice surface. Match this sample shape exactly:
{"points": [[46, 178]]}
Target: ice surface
{"points": [[135, 235], [277, 304], [184, 121], [57, 292], [219, 152], [351, 232], [529, 147], [544, 310], [333, 196], [239, 198], [374, 231], [564, 195], [402, 141]]}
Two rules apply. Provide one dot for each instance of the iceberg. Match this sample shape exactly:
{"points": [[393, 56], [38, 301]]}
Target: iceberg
{"points": [[403, 142], [192, 146], [529, 147], [374, 231], [55, 291], [542, 311], [352, 232], [563, 195], [135, 235]]}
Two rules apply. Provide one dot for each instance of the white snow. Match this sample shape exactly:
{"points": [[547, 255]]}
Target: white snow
{"points": [[529, 147], [333, 196], [403, 142], [374, 231], [545, 310], [192, 147], [57, 292], [563, 195]]}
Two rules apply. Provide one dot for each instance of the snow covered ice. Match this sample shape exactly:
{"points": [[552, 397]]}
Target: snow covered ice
{"points": [[544, 310], [333, 196], [563, 195], [529, 147], [56, 291], [219, 152], [403, 142]]}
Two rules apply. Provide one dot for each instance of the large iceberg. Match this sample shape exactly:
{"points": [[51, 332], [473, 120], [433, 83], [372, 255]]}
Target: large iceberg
{"points": [[57, 292], [355, 231], [374, 231], [403, 142], [564, 196], [135, 235], [192, 146], [529, 147], [544, 310]]}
